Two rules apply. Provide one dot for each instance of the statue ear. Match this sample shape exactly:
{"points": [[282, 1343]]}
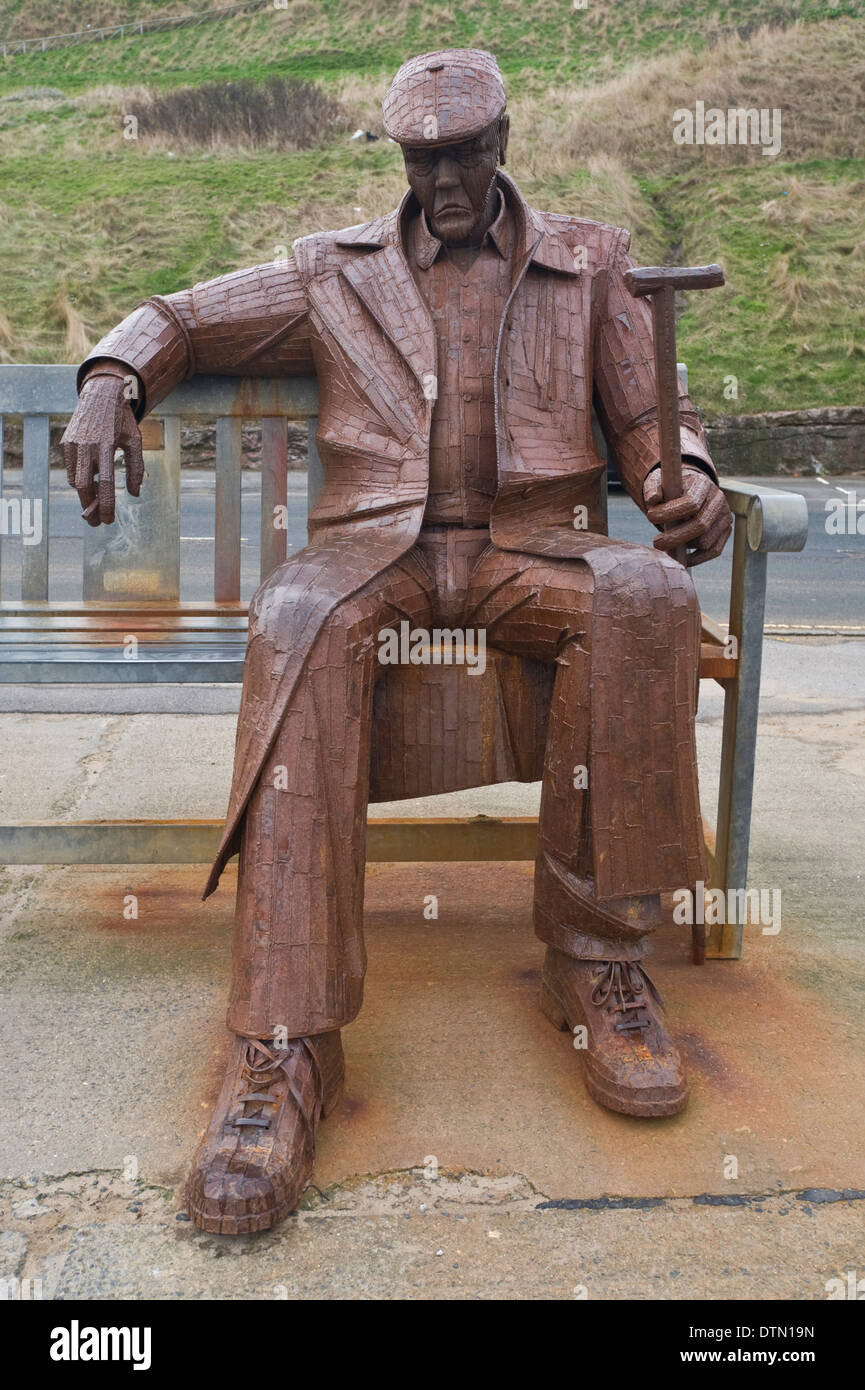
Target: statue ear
{"points": [[504, 132]]}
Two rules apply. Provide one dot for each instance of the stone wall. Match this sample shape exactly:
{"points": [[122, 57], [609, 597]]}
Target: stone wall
{"points": [[197, 445], [787, 443], [790, 442]]}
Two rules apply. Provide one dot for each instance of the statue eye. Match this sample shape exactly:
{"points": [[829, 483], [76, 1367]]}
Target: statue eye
{"points": [[421, 164]]}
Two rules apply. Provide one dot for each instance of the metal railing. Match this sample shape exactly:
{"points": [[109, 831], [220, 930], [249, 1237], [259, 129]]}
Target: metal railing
{"points": [[96, 33]]}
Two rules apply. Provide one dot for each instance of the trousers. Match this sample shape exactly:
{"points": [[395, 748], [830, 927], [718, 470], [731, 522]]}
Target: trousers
{"points": [[298, 955]]}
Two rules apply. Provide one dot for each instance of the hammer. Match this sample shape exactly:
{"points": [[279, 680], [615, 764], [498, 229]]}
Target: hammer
{"points": [[661, 282]]}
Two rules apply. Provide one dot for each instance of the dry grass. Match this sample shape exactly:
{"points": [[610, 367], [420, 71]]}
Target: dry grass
{"points": [[108, 221], [790, 323], [9, 347], [815, 75], [77, 342], [823, 271], [278, 113], [35, 19]]}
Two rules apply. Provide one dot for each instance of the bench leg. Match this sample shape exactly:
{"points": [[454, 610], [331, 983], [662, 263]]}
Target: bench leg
{"points": [[738, 748]]}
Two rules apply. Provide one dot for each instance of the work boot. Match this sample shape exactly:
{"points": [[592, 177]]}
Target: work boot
{"points": [[256, 1155], [631, 1063]]}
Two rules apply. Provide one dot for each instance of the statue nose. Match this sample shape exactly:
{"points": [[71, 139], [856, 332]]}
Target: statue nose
{"points": [[447, 174]]}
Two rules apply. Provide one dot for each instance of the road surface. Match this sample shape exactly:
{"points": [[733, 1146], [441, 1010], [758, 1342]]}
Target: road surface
{"points": [[822, 587]]}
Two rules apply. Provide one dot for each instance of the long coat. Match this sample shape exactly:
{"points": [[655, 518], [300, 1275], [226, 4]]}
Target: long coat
{"points": [[346, 307]]}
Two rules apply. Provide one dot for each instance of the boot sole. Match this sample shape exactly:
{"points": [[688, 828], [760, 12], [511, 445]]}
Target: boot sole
{"points": [[672, 1104]]}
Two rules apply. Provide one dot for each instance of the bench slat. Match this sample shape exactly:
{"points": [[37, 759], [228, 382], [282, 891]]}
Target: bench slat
{"points": [[35, 389], [173, 664], [106, 607], [1, 495], [274, 494], [35, 490], [48, 625], [226, 555], [427, 839]]}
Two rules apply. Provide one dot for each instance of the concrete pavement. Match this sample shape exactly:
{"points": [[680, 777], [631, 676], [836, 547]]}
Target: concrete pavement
{"points": [[465, 1129]]}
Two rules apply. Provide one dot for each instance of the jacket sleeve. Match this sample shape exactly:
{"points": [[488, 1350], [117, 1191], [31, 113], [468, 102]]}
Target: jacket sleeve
{"points": [[625, 382], [250, 323]]}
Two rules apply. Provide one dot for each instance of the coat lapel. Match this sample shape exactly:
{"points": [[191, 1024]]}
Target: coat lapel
{"points": [[383, 281], [387, 387]]}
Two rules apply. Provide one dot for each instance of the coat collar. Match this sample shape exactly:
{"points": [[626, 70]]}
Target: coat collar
{"points": [[545, 245], [424, 246]]}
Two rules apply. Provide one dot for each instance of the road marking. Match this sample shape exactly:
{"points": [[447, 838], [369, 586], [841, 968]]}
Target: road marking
{"points": [[794, 630]]}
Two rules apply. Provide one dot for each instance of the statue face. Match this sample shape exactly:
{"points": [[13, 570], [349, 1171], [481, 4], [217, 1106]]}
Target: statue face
{"points": [[453, 183]]}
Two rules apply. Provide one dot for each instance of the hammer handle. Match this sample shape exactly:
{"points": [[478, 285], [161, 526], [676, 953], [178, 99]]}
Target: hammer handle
{"points": [[667, 378]]}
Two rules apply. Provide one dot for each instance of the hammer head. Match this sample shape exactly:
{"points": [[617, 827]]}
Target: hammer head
{"points": [[651, 279]]}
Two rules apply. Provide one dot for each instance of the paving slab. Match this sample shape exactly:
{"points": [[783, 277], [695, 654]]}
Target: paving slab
{"points": [[114, 1043], [402, 1236]]}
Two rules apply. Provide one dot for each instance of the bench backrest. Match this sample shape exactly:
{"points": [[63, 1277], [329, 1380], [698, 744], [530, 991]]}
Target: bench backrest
{"points": [[139, 557]]}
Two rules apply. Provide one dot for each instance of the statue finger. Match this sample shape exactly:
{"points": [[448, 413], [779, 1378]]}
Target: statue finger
{"points": [[676, 510], [106, 483], [134, 462], [711, 543], [653, 493], [85, 463], [89, 503], [685, 534], [68, 451]]}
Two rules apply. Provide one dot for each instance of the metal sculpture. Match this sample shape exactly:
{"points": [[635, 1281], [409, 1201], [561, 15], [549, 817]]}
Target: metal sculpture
{"points": [[458, 342]]}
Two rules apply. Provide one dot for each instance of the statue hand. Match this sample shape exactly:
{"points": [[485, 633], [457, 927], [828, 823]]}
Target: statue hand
{"points": [[103, 422], [703, 519]]}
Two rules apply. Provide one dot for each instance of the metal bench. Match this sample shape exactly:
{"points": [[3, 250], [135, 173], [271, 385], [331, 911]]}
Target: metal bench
{"points": [[131, 626]]}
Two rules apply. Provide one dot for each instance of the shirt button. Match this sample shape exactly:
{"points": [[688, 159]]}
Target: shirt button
{"points": [[467, 337], [467, 396]]}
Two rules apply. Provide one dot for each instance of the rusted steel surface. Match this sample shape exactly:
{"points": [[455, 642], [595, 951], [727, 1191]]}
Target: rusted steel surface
{"points": [[660, 283], [458, 342]]}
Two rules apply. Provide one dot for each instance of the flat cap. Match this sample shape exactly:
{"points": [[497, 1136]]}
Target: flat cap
{"points": [[443, 97]]}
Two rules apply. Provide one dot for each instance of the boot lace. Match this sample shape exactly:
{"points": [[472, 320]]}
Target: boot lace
{"points": [[261, 1065], [622, 987]]}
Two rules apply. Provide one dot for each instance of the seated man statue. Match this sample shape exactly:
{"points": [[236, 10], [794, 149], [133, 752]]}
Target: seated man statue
{"points": [[459, 344]]}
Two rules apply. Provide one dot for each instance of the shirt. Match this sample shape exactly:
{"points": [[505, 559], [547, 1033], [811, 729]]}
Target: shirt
{"points": [[465, 292]]}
